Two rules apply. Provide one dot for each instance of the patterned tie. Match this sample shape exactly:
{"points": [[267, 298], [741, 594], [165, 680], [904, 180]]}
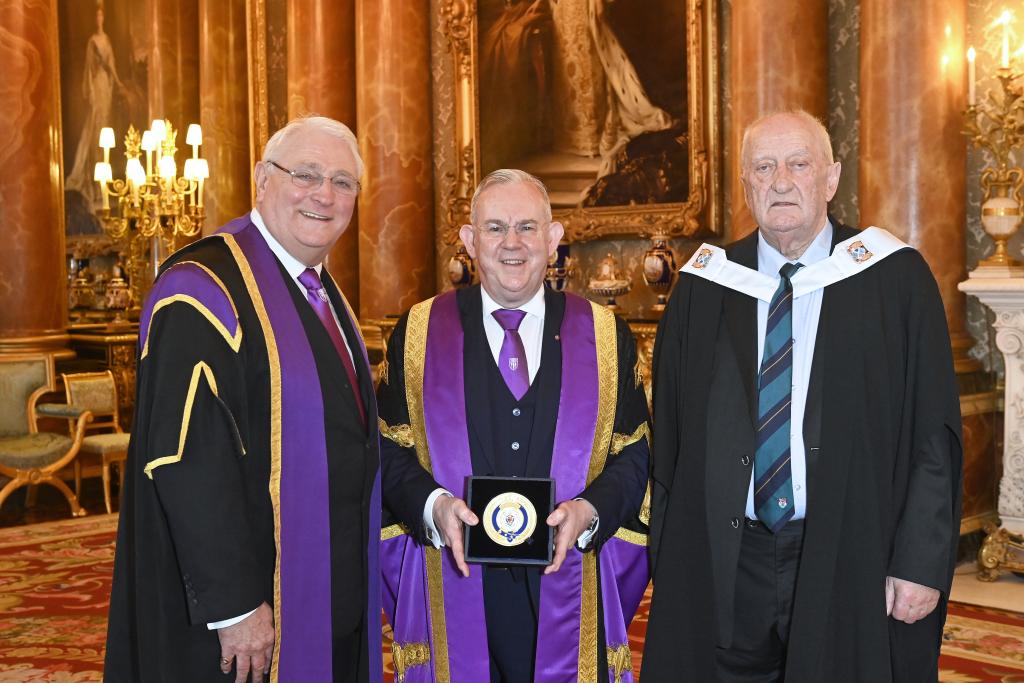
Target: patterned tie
{"points": [[317, 296], [773, 480], [512, 358]]}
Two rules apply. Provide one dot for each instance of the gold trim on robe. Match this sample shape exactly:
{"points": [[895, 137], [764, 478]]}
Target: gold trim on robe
{"points": [[200, 371], [233, 340], [274, 360], [606, 341], [393, 531], [400, 434], [407, 656], [415, 361], [620, 441], [620, 660]]}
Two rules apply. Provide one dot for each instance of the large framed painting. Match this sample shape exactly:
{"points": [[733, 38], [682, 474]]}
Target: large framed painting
{"points": [[612, 103], [104, 50]]}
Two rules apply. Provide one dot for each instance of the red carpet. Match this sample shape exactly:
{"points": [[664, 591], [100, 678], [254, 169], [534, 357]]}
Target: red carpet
{"points": [[55, 585], [54, 593]]}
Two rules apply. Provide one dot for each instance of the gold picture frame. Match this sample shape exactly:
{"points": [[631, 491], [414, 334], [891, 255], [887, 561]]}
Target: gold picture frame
{"points": [[699, 215]]}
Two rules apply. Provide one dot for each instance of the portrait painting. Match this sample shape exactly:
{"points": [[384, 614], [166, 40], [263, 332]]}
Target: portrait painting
{"points": [[103, 61], [612, 103], [595, 108]]}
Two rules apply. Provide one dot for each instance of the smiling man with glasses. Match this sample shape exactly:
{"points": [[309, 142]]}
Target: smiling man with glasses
{"points": [[512, 379], [250, 523]]}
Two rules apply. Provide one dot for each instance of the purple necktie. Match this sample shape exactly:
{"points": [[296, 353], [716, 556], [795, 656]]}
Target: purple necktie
{"points": [[512, 358], [317, 296]]}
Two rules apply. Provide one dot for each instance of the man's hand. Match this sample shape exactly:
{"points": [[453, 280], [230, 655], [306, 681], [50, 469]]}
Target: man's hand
{"points": [[450, 514], [907, 601], [572, 518], [251, 641]]}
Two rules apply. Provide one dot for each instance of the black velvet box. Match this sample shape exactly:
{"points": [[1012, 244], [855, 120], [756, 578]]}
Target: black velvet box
{"points": [[503, 505]]}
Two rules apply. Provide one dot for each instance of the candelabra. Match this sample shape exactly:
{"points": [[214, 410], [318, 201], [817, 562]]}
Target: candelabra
{"points": [[154, 205], [996, 124]]}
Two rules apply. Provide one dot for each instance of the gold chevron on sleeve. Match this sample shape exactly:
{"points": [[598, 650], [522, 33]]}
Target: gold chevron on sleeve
{"points": [[400, 434], [200, 371], [620, 441]]}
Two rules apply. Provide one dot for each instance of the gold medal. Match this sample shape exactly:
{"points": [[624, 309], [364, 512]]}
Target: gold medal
{"points": [[509, 519]]}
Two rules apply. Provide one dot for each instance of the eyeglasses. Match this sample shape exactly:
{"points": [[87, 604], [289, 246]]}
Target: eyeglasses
{"points": [[498, 230], [343, 183]]}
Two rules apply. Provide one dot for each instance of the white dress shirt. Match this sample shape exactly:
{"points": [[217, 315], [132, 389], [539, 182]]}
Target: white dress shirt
{"points": [[806, 312], [531, 331], [295, 268]]}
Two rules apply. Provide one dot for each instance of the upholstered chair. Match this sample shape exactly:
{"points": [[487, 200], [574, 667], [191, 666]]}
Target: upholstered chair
{"points": [[97, 393], [28, 456]]}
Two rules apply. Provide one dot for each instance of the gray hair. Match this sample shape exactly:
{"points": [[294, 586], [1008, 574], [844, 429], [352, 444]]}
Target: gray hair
{"points": [[322, 124], [816, 127], [510, 176]]}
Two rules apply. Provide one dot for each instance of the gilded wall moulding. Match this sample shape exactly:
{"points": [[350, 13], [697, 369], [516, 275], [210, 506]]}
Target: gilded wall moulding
{"points": [[259, 99], [615, 106]]}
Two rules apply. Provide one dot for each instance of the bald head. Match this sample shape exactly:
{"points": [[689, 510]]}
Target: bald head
{"points": [[794, 117]]}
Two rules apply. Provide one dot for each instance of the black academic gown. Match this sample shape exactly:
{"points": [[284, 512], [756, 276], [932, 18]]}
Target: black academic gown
{"points": [[196, 542], [882, 431], [616, 493]]}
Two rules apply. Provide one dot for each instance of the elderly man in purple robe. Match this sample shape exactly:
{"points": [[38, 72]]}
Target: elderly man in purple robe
{"points": [[249, 531]]}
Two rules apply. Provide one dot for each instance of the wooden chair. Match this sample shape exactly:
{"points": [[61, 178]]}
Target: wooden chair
{"points": [[28, 456], [97, 393]]}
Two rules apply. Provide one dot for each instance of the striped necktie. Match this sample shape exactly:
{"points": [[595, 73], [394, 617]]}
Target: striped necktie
{"points": [[773, 480]]}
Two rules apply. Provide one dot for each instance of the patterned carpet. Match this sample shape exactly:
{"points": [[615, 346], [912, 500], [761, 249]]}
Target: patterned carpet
{"points": [[55, 582]]}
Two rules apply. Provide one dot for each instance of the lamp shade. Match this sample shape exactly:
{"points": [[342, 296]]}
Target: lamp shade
{"points": [[107, 138], [159, 129], [195, 135], [134, 172], [103, 173], [168, 169], [202, 168], [148, 141]]}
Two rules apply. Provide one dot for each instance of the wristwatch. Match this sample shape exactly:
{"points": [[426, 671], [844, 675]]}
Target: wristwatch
{"points": [[588, 535]]}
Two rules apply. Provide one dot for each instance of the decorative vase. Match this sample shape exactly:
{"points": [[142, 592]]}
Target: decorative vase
{"points": [[117, 295], [660, 271], [561, 268], [461, 269], [609, 282]]}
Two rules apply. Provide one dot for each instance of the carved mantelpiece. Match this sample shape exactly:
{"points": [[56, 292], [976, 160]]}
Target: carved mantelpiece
{"points": [[1005, 296]]}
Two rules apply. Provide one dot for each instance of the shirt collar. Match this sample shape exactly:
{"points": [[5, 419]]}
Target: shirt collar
{"points": [[770, 260], [535, 306], [291, 264]]}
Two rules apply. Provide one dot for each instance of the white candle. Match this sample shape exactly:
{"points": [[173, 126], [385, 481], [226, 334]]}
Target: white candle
{"points": [[1005, 18], [971, 55]]}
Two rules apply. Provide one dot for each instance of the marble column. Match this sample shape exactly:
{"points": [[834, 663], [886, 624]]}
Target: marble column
{"points": [[396, 208], [33, 272], [322, 80], [174, 64], [224, 109], [778, 60], [1005, 296], [912, 155]]}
